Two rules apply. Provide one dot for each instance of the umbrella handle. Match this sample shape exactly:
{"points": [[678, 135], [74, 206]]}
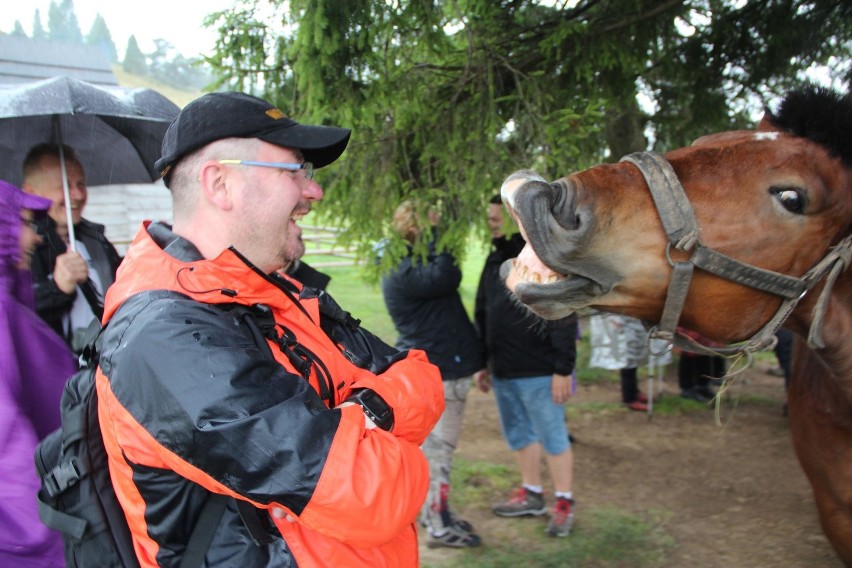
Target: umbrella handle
{"points": [[72, 241]]}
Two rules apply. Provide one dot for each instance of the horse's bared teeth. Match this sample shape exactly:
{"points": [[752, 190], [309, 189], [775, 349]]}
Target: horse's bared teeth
{"points": [[535, 277]]}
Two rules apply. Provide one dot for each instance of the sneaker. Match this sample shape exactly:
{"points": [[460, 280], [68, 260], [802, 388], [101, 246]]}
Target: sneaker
{"points": [[452, 537], [522, 502], [455, 521], [637, 405], [461, 524], [642, 397], [562, 518]]}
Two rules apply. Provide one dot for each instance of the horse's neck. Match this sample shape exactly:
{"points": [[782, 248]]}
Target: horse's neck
{"points": [[836, 357]]}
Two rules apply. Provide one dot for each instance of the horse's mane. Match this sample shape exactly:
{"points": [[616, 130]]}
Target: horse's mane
{"points": [[819, 114]]}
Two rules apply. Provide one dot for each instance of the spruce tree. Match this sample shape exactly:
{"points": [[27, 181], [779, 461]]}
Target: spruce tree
{"points": [[18, 30], [99, 36], [38, 29], [62, 22], [134, 59], [446, 97]]}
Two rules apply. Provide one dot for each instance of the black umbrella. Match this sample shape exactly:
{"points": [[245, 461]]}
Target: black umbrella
{"points": [[115, 131]]}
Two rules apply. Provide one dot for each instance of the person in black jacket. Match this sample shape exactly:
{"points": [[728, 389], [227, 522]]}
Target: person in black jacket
{"points": [[423, 301], [69, 285], [532, 365]]}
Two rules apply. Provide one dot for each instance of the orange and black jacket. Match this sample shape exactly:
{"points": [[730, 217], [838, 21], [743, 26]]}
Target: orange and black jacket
{"points": [[189, 404]]}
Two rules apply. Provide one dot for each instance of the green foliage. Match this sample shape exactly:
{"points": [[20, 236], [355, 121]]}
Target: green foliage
{"points": [[18, 30], [134, 60], [447, 98], [62, 22], [100, 36]]}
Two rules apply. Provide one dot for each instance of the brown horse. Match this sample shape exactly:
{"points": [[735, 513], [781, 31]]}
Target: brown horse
{"points": [[730, 238]]}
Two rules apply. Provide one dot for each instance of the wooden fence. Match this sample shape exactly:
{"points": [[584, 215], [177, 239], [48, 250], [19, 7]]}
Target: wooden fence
{"points": [[323, 250]]}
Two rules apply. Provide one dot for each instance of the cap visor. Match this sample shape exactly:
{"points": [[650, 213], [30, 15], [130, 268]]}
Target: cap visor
{"points": [[320, 145]]}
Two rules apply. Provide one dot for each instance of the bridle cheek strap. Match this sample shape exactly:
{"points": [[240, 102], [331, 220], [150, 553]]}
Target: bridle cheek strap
{"points": [[683, 233]]}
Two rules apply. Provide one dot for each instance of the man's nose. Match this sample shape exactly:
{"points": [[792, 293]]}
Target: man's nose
{"points": [[313, 191]]}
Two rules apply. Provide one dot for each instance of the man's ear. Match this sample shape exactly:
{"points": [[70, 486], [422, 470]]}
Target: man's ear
{"points": [[215, 189]]}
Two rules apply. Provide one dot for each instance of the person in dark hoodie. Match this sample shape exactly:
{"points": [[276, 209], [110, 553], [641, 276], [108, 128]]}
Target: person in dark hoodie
{"points": [[530, 368], [422, 298], [34, 364], [69, 282]]}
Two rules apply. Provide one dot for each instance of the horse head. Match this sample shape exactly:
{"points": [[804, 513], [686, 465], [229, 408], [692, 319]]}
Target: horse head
{"points": [[765, 203], [730, 237]]}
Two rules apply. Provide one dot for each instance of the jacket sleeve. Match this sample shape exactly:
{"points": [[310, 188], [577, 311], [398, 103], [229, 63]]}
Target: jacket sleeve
{"points": [[50, 301], [413, 388], [563, 339], [480, 312], [201, 399]]}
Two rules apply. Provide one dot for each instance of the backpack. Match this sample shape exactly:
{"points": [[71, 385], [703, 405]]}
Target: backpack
{"points": [[76, 496]]}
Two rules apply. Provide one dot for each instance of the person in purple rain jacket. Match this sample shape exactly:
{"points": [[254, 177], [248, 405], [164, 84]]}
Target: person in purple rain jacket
{"points": [[34, 365]]}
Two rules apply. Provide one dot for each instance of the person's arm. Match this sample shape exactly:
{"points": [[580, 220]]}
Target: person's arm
{"points": [[438, 276], [223, 415]]}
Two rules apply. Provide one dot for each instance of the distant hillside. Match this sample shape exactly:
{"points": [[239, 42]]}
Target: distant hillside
{"points": [[177, 96]]}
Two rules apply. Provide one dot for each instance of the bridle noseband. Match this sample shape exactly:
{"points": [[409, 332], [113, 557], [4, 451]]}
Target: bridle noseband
{"points": [[682, 231]]}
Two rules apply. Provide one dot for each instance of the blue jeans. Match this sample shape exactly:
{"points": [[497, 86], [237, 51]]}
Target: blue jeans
{"points": [[528, 414]]}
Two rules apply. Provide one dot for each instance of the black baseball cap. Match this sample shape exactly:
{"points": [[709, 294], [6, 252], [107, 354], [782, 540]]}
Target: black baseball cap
{"points": [[215, 116]]}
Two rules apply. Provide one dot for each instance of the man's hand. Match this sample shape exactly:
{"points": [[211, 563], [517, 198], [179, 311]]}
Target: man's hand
{"points": [[482, 378], [368, 422], [560, 387], [71, 269]]}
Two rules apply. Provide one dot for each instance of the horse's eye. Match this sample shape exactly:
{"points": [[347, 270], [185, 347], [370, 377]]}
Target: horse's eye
{"points": [[791, 199]]}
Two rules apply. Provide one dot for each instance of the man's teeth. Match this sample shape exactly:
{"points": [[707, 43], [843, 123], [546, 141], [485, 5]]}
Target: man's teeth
{"points": [[296, 217], [528, 275]]}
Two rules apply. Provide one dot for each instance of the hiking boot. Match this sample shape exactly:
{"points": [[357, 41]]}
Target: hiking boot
{"points": [[521, 502], [453, 537], [562, 518]]}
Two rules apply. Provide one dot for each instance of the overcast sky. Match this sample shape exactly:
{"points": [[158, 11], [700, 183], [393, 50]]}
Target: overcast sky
{"points": [[177, 21]]}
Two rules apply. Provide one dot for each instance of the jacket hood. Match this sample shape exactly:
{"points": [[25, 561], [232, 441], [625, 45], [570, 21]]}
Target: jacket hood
{"points": [[13, 200]]}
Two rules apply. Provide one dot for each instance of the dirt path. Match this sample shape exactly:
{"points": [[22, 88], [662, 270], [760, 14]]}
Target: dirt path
{"points": [[733, 496]]}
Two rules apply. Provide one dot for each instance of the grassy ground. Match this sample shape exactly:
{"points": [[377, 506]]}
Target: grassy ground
{"points": [[177, 96]]}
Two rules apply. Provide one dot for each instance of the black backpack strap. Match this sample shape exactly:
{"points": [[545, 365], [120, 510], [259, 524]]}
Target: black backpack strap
{"points": [[93, 298], [205, 528], [254, 522], [59, 521]]}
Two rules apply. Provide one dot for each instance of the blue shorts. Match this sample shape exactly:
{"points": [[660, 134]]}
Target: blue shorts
{"points": [[528, 414]]}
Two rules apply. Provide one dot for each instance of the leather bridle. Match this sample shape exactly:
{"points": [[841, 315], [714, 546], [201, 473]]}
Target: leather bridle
{"points": [[682, 231]]}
